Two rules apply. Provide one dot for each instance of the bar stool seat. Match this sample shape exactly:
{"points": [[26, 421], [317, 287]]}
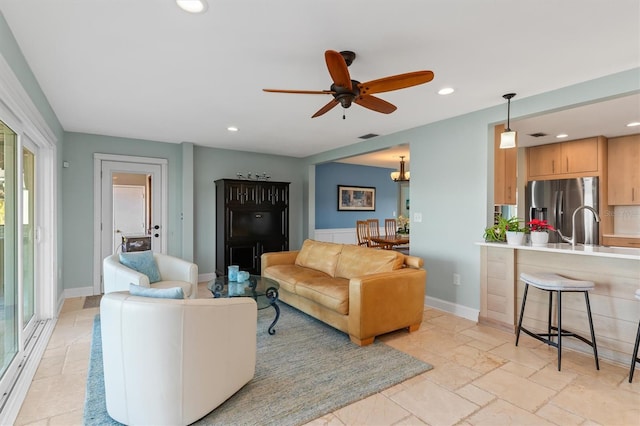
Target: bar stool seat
{"points": [[551, 282], [634, 357]]}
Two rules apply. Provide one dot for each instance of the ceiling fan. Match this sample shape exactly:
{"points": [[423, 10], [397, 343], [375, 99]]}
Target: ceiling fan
{"points": [[345, 91]]}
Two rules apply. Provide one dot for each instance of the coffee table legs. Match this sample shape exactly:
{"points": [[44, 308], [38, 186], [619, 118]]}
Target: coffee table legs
{"points": [[272, 295]]}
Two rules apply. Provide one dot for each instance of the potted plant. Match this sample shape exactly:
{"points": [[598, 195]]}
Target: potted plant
{"points": [[504, 229], [539, 232]]}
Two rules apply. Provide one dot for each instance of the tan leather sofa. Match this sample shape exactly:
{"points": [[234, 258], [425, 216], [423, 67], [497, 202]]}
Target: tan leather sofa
{"points": [[361, 291]]}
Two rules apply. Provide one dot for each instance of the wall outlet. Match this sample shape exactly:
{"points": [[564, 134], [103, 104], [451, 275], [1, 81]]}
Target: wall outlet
{"points": [[456, 279], [417, 217]]}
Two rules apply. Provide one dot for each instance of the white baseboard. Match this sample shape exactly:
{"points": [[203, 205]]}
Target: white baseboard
{"points": [[452, 308], [78, 292], [210, 276]]}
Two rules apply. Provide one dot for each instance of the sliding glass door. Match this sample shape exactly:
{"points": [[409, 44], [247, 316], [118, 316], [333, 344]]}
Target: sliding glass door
{"points": [[8, 249], [28, 237]]}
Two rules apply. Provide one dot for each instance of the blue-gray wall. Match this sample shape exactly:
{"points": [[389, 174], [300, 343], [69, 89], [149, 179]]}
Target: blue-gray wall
{"points": [[12, 54], [330, 175], [211, 164], [451, 180]]}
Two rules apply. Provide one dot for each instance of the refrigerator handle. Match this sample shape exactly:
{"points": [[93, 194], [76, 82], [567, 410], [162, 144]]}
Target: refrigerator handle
{"points": [[560, 210]]}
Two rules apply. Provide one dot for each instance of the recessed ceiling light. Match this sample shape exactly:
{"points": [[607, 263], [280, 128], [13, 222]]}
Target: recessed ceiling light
{"points": [[192, 6], [633, 124], [562, 136], [446, 91], [232, 128]]}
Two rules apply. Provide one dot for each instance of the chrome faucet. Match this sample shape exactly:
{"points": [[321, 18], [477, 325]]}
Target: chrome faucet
{"points": [[572, 239]]}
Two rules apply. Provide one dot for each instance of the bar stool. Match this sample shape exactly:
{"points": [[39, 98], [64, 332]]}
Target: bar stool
{"points": [[556, 283], [634, 357]]}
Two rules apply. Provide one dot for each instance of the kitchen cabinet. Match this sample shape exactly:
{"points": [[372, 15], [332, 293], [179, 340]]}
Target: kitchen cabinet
{"points": [[624, 170], [252, 217], [504, 172], [615, 241], [583, 157], [497, 287]]}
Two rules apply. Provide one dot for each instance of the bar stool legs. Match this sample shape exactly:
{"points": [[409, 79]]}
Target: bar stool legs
{"points": [[549, 282], [634, 357]]}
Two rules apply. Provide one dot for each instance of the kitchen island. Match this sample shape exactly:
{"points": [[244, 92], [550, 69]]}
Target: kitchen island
{"points": [[615, 272]]}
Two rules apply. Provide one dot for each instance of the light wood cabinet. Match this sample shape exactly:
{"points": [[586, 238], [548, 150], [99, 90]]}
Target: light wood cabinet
{"points": [[497, 287], [566, 159], [504, 171], [621, 241], [624, 170], [544, 160]]}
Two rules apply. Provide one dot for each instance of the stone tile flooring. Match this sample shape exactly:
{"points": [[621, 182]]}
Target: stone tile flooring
{"points": [[479, 378]]}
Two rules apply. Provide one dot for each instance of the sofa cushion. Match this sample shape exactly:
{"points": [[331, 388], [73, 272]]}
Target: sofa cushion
{"points": [[161, 293], [288, 275], [357, 261], [143, 262], [332, 293], [320, 256]]}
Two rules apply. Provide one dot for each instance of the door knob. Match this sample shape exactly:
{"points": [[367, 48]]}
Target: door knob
{"points": [[156, 235]]}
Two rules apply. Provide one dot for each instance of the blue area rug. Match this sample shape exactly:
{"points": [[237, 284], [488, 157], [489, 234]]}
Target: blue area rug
{"points": [[304, 371]]}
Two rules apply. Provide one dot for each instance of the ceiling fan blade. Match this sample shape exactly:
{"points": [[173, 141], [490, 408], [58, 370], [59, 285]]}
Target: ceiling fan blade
{"points": [[303, 92], [325, 108], [375, 104], [338, 69], [395, 82]]}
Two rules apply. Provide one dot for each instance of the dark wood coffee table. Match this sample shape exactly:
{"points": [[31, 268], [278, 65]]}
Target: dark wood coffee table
{"points": [[261, 289]]}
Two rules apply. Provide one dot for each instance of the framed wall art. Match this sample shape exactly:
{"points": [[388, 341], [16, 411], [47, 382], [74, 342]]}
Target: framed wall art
{"points": [[356, 198]]}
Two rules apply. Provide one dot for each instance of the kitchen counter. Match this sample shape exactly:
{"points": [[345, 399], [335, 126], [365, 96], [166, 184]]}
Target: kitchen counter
{"points": [[615, 272], [579, 249]]}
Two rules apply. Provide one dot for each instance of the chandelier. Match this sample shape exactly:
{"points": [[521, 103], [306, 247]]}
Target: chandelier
{"points": [[400, 176]]}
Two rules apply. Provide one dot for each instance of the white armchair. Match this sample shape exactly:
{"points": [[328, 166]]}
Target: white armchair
{"points": [[175, 272], [172, 361]]}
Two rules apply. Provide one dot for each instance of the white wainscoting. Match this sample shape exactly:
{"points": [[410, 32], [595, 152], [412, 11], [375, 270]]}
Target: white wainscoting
{"points": [[336, 235]]}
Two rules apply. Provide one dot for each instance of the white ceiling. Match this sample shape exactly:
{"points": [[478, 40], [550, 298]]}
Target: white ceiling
{"points": [[146, 69]]}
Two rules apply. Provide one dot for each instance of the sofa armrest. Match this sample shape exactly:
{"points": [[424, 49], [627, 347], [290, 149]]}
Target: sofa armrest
{"points": [[278, 258], [384, 302]]}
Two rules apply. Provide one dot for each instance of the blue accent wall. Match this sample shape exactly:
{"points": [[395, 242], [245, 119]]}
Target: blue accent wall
{"points": [[330, 175]]}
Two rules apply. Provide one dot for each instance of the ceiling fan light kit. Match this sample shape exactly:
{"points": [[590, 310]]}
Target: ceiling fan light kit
{"points": [[346, 91], [508, 137]]}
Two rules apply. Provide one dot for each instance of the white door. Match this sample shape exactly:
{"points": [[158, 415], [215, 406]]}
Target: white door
{"points": [[129, 212], [107, 167]]}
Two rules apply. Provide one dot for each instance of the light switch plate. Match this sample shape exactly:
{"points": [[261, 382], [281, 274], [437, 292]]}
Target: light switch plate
{"points": [[417, 217]]}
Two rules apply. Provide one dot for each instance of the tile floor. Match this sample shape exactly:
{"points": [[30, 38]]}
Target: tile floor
{"points": [[479, 378]]}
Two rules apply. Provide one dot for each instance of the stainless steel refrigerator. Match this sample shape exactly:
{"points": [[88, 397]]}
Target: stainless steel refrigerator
{"points": [[557, 200]]}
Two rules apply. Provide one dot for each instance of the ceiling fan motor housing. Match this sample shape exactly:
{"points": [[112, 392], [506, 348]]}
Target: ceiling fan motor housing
{"points": [[344, 95]]}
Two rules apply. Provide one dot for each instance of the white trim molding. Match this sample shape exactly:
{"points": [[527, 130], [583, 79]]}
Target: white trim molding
{"points": [[452, 308], [97, 205]]}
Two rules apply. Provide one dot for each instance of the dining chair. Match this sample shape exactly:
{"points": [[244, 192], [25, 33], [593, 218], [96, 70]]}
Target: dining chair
{"points": [[374, 232], [362, 232], [390, 227]]}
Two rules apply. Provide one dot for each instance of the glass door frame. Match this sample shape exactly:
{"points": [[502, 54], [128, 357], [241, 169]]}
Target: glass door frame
{"points": [[18, 112]]}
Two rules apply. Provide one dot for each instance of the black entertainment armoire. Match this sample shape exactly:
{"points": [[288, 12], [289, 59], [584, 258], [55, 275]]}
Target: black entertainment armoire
{"points": [[252, 217]]}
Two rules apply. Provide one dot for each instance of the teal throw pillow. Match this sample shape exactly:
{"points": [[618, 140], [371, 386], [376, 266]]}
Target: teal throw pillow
{"points": [[161, 293], [143, 262]]}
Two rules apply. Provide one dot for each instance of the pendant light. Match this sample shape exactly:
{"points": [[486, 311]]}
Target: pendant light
{"points": [[400, 176], [508, 137]]}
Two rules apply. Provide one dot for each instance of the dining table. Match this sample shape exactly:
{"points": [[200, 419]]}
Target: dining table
{"points": [[388, 242]]}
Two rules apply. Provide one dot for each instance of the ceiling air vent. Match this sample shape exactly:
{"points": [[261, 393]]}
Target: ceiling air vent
{"points": [[368, 136], [538, 134]]}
